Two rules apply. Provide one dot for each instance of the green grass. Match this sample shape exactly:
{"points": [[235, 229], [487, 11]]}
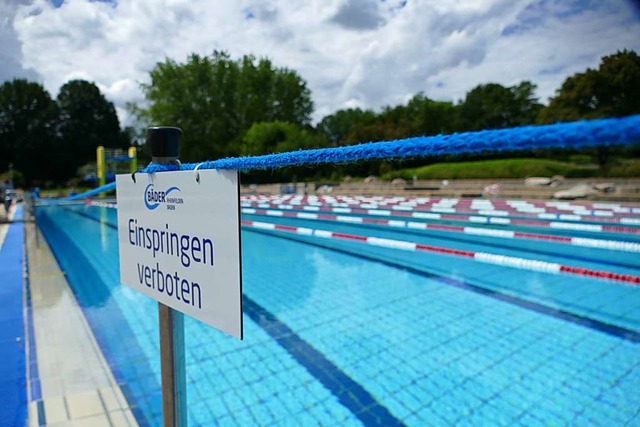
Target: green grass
{"points": [[497, 169], [627, 168]]}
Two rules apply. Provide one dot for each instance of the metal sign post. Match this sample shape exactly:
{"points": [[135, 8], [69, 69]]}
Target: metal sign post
{"points": [[172, 359], [179, 243], [165, 148]]}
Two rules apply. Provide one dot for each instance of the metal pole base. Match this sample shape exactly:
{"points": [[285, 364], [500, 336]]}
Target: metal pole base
{"points": [[172, 359]]}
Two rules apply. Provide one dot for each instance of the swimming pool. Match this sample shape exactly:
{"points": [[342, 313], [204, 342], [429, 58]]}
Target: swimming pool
{"points": [[347, 325]]}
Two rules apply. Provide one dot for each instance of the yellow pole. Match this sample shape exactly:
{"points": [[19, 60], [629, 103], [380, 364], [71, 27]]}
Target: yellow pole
{"points": [[100, 163], [133, 159]]}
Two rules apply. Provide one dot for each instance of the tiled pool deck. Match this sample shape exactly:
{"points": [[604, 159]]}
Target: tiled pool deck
{"points": [[71, 383]]}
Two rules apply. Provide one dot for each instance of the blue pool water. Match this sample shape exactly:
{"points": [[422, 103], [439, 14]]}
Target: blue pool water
{"points": [[341, 333]]}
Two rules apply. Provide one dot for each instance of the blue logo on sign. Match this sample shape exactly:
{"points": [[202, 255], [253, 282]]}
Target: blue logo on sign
{"points": [[153, 198]]}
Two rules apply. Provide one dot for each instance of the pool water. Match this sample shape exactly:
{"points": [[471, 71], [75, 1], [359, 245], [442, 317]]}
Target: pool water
{"points": [[342, 333]]}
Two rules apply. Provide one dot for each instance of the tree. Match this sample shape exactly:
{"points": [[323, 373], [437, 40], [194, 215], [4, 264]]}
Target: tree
{"points": [[87, 120], [277, 137], [28, 130], [493, 106], [431, 117], [338, 125], [613, 90], [215, 100]]}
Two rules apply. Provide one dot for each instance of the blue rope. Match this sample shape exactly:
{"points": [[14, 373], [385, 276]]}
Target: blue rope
{"points": [[103, 189], [603, 132], [616, 131]]}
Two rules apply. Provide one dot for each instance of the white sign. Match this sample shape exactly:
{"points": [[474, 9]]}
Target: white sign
{"points": [[179, 243]]}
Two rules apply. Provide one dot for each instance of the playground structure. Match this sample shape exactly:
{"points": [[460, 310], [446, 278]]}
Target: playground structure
{"points": [[108, 161]]}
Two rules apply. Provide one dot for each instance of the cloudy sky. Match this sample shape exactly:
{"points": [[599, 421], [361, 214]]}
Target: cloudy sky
{"points": [[353, 53]]}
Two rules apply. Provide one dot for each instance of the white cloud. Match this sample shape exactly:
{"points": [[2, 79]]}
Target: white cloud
{"points": [[10, 55], [352, 52]]}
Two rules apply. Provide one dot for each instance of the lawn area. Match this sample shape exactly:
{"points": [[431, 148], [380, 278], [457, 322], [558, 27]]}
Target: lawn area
{"points": [[515, 168]]}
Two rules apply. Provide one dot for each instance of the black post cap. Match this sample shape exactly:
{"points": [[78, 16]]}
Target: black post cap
{"points": [[164, 141]]}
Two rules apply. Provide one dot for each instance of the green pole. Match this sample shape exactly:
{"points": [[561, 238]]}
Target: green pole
{"points": [[101, 166], [133, 159]]}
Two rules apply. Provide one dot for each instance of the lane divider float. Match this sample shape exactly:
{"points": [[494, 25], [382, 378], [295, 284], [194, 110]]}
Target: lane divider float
{"points": [[89, 202], [577, 241], [452, 205], [514, 262], [450, 210], [505, 234], [451, 217], [487, 258]]}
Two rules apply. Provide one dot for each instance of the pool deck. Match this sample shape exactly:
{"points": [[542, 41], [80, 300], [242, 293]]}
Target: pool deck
{"points": [[69, 383]]}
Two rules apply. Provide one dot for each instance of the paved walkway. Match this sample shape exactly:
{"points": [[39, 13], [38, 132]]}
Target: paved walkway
{"points": [[74, 385]]}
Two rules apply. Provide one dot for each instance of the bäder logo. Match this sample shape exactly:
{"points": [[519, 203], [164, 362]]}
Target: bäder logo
{"points": [[154, 198]]}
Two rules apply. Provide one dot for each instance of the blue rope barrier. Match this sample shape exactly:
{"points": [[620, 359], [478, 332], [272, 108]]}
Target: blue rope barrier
{"points": [[602, 132], [95, 191], [618, 131]]}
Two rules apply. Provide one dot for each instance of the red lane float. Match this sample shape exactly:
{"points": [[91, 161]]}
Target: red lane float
{"points": [[487, 258]]}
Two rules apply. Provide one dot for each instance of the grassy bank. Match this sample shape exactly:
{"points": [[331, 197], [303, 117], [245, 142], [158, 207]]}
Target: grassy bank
{"points": [[515, 169]]}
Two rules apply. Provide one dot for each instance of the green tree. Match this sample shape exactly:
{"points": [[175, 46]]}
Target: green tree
{"points": [[613, 90], [420, 116], [87, 120], [28, 130], [215, 100], [493, 106], [338, 125], [277, 137], [431, 117]]}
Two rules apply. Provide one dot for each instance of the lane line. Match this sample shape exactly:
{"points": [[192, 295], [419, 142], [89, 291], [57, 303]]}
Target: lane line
{"points": [[349, 392]]}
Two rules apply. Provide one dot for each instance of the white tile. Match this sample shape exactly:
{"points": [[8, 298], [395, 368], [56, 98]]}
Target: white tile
{"points": [[94, 421], [109, 399], [50, 386], [118, 419], [33, 414], [84, 404], [121, 398], [55, 410], [70, 362], [131, 418]]}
